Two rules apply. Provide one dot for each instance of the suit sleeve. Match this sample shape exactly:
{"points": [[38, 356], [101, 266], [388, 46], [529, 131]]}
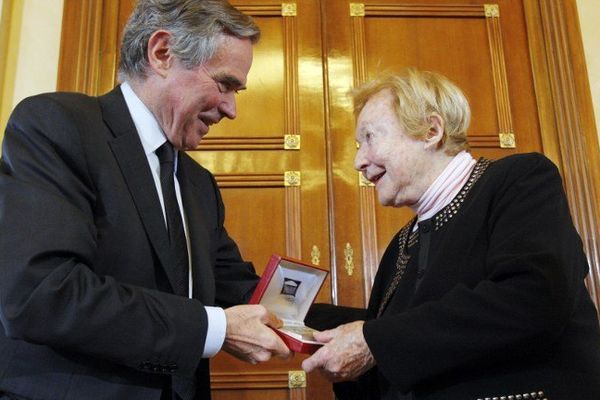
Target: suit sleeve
{"points": [[49, 293], [533, 273], [323, 316]]}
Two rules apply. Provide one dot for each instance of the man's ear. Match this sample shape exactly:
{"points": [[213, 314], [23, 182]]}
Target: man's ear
{"points": [[435, 134], [159, 52]]}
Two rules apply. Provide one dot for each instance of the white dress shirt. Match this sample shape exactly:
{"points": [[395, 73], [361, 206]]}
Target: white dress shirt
{"points": [[152, 138]]}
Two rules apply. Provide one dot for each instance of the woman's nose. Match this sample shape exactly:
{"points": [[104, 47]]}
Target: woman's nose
{"points": [[360, 160]]}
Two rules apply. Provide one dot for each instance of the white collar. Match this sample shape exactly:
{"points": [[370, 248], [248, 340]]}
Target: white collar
{"points": [[150, 132]]}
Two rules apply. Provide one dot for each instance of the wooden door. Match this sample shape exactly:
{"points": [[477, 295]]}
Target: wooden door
{"points": [[270, 165], [305, 200]]}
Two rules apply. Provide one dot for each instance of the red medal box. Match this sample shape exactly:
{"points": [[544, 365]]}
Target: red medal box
{"points": [[288, 288]]}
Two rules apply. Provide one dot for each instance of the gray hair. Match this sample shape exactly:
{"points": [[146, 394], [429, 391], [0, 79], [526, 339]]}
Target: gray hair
{"points": [[197, 27]]}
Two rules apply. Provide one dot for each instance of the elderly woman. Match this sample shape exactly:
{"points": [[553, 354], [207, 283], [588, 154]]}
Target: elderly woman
{"points": [[481, 295]]}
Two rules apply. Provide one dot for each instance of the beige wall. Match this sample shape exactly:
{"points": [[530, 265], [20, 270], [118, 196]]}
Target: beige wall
{"points": [[589, 15], [29, 49]]}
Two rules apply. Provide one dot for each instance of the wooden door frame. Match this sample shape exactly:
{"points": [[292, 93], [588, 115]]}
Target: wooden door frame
{"points": [[88, 57], [566, 117]]}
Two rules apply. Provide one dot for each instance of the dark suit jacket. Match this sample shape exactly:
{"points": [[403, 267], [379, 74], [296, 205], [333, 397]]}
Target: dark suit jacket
{"points": [[86, 304], [500, 307]]}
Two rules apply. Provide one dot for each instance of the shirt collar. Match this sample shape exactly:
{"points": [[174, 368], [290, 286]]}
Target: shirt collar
{"points": [[147, 126]]}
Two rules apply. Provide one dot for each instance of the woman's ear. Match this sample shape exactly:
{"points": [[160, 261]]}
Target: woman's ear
{"points": [[435, 134], [159, 52]]}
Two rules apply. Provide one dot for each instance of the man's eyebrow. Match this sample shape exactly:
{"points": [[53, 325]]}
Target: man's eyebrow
{"points": [[231, 82]]}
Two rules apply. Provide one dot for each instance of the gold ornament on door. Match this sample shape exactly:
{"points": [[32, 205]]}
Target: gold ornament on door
{"points": [[349, 256]]}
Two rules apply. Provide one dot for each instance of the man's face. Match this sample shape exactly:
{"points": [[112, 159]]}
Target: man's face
{"points": [[394, 161], [193, 99]]}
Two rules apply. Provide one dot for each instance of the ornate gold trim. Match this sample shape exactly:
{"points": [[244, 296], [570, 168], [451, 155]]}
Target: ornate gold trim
{"points": [[349, 257], [499, 75], [507, 140], [362, 181], [291, 99], [291, 142], [288, 9], [357, 9], [296, 379], [491, 10], [292, 178], [359, 48], [315, 255]]}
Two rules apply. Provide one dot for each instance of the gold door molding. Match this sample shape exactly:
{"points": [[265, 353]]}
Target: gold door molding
{"points": [[490, 13]]}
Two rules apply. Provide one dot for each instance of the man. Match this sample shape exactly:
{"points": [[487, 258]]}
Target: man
{"points": [[112, 249], [482, 295]]}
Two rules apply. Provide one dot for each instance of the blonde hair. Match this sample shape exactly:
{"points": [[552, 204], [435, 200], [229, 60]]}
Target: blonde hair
{"points": [[417, 95]]}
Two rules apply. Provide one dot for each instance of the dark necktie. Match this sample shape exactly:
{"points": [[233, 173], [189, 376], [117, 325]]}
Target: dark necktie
{"points": [[166, 155]]}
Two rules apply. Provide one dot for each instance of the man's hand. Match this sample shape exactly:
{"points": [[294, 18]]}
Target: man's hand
{"points": [[345, 356], [248, 336]]}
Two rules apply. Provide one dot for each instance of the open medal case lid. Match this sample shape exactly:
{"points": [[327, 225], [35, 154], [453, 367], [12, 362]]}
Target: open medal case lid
{"points": [[287, 288]]}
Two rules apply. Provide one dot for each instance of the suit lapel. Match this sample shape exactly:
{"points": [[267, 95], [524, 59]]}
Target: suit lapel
{"points": [[202, 273], [129, 153]]}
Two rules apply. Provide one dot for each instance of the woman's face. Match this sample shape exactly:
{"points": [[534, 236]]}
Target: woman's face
{"points": [[395, 162]]}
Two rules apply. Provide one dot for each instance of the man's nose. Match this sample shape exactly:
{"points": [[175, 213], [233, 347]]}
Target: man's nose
{"points": [[227, 106]]}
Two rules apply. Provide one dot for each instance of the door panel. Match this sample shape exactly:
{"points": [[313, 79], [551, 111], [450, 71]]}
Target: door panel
{"points": [[267, 77], [275, 197], [252, 224]]}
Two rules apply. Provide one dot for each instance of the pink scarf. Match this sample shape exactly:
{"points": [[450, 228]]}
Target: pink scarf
{"points": [[445, 187]]}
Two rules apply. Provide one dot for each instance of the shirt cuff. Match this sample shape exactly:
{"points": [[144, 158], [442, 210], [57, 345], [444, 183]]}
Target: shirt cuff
{"points": [[217, 325]]}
